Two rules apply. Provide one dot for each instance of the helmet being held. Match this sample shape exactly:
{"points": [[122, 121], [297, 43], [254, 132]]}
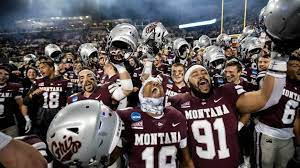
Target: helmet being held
{"points": [[248, 31], [54, 52], [204, 41], [87, 52], [223, 40], [282, 20], [122, 37], [154, 33], [29, 59], [196, 45], [214, 58], [84, 133], [181, 47], [250, 47]]}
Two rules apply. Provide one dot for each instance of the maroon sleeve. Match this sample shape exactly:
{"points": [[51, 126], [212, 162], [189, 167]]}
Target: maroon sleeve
{"points": [[235, 91], [123, 114], [175, 101]]}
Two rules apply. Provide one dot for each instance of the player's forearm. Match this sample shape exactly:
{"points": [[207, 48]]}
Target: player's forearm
{"points": [[126, 83], [186, 160], [274, 81], [147, 71], [125, 79], [24, 110]]}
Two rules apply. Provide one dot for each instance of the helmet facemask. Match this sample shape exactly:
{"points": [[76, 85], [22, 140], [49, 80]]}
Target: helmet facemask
{"points": [[117, 51]]}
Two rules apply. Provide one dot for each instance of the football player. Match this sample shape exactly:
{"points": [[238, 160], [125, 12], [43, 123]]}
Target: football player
{"points": [[274, 130], [49, 93], [11, 103], [90, 90], [232, 72], [175, 84], [212, 117], [121, 44], [262, 65], [154, 135]]}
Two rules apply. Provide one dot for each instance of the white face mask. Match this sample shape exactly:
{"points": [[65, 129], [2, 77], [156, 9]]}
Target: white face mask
{"points": [[152, 105]]}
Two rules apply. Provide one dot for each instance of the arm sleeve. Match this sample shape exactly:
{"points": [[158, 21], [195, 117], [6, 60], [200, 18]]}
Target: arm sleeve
{"points": [[4, 140]]}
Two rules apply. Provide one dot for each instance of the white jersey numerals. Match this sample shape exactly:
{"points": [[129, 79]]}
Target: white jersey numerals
{"points": [[165, 151], [289, 112], [51, 99], [207, 138]]}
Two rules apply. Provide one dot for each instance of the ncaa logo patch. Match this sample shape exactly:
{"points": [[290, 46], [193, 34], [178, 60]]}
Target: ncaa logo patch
{"points": [[136, 116], [75, 98]]}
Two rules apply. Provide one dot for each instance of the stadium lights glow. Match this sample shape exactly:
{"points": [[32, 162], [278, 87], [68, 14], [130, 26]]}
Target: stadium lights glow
{"points": [[208, 22]]}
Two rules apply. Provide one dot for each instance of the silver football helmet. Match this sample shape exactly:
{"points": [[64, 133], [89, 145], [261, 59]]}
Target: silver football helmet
{"points": [[223, 40], [204, 41], [84, 133], [248, 31], [87, 52], [156, 33], [250, 47], [282, 19], [54, 52], [122, 39], [196, 45], [214, 58], [181, 47], [147, 51], [261, 16], [29, 59]]}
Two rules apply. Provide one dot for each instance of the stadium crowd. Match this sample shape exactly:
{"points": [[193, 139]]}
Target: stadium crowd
{"points": [[150, 98]]}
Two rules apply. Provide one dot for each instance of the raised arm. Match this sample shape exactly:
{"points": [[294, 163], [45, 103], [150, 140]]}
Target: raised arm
{"points": [[271, 91]]}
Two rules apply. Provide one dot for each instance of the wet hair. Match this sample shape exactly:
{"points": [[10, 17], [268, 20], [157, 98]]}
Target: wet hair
{"points": [[46, 60], [234, 63]]}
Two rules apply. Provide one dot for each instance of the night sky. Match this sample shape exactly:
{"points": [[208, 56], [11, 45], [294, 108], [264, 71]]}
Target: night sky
{"points": [[171, 11]]}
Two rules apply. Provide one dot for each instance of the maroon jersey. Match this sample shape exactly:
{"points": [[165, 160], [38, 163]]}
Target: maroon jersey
{"points": [[170, 88], [8, 104], [56, 91], [101, 93], [161, 69], [71, 76], [282, 115], [108, 80], [212, 126], [153, 142]]}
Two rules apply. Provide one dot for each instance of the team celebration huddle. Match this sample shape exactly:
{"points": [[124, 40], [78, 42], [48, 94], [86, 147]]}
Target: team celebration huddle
{"points": [[149, 99]]}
